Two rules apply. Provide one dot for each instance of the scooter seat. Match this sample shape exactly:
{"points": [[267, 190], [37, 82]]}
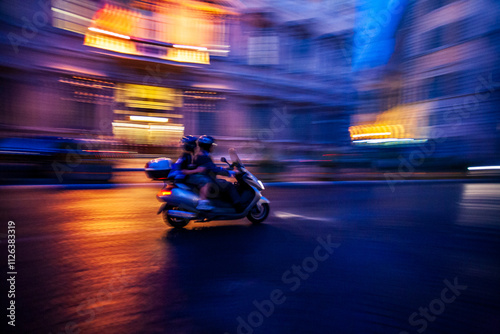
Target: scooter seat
{"points": [[183, 186]]}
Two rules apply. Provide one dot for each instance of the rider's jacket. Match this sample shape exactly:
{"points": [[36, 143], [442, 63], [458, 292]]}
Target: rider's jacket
{"points": [[184, 162], [203, 159]]}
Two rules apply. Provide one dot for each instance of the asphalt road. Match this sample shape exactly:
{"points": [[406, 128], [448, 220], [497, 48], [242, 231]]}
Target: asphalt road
{"points": [[338, 258]]}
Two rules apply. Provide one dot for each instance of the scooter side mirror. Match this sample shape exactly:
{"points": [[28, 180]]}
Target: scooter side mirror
{"points": [[224, 160]]}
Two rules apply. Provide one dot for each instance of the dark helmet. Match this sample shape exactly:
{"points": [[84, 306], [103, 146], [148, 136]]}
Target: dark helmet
{"points": [[189, 143], [206, 142]]}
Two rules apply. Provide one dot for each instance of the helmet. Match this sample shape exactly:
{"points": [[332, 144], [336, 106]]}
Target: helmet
{"points": [[206, 142], [189, 143]]}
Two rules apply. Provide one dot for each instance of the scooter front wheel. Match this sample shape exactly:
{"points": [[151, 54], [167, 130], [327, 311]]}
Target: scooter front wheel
{"points": [[175, 222], [259, 213]]}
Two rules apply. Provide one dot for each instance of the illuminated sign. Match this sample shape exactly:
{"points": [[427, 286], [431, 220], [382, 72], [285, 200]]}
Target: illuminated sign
{"points": [[188, 56], [399, 124], [148, 97], [143, 119], [107, 40], [184, 32]]}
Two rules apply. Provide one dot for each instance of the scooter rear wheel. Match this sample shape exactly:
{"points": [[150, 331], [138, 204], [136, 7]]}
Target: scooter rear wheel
{"points": [[173, 221], [259, 213]]}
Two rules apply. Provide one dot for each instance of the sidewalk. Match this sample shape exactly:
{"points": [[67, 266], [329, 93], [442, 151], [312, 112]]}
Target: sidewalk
{"points": [[131, 172], [127, 171]]}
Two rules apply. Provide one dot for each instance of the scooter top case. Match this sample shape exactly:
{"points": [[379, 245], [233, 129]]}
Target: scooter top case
{"points": [[158, 169]]}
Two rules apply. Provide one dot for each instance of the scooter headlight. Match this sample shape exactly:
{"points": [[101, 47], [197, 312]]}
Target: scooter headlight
{"points": [[261, 184]]}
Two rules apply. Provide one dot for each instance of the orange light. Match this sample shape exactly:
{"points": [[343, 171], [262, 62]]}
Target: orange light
{"points": [[165, 193]]}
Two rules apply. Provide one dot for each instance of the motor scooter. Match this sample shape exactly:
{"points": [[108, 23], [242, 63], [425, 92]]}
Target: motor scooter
{"points": [[179, 200]]}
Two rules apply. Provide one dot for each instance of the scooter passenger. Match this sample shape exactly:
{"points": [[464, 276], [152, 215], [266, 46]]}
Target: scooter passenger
{"points": [[185, 161]]}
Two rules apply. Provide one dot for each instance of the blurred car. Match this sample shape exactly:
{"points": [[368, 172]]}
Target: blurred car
{"points": [[63, 159]]}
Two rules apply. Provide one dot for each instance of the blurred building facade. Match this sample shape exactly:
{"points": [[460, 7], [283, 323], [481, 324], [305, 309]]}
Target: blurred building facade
{"points": [[121, 69], [440, 88], [146, 72]]}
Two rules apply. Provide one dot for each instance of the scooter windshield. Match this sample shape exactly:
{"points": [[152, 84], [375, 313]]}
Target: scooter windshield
{"points": [[234, 157]]}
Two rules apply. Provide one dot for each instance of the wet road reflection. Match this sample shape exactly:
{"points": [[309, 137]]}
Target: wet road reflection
{"points": [[101, 260]]}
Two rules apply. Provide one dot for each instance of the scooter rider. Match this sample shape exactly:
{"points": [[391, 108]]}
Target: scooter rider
{"points": [[205, 176]]}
